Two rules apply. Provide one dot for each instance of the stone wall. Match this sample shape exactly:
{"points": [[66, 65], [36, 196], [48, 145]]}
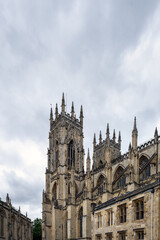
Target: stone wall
{"points": [[13, 224]]}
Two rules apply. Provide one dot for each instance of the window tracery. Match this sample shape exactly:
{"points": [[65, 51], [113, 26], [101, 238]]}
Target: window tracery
{"points": [[100, 184], [146, 172], [119, 178]]}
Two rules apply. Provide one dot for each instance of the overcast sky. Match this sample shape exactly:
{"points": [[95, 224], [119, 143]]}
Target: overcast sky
{"points": [[102, 54]]}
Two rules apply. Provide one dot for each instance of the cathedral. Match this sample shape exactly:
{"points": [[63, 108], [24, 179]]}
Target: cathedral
{"points": [[118, 198]]}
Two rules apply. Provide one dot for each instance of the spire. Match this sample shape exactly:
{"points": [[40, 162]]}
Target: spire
{"points": [[72, 111], [119, 139], [88, 162], [114, 136], [51, 114], [56, 111], [7, 199], [51, 118], [129, 151], [88, 155], [134, 135], [107, 131], [100, 137], [81, 116], [63, 104], [94, 140], [135, 124], [156, 135]]}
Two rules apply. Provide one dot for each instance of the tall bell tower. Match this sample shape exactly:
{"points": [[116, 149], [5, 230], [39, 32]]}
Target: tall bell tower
{"points": [[65, 164]]}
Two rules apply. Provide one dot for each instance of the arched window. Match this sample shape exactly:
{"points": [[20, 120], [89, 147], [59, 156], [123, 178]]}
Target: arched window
{"points": [[118, 172], [2, 215], [143, 161], [80, 222], [119, 178], [100, 184], [71, 155], [146, 172], [54, 192], [144, 168]]}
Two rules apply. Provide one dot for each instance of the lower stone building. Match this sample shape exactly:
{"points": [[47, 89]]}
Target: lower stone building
{"points": [[133, 215], [118, 198], [13, 224]]}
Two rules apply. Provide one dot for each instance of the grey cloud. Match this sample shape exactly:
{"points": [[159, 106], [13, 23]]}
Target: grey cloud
{"points": [[23, 191], [48, 47]]}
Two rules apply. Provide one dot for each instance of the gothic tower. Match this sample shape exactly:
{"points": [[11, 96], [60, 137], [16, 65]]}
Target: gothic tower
{"points": [[64, 173]]}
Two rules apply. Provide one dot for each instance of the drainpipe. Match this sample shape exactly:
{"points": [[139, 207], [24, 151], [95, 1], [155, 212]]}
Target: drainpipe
{"points": [[152, 192]]}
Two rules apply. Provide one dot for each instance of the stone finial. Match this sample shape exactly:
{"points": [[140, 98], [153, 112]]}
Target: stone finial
{"points": [[100, 137], [94, 140], [56, 111], [51, 118], [114, 136], [88, 155], [81, 116], [107, 131], [72, 111], [51, 114], [135, 124], [88, 162], [156, 135], [135, 135], [119, 139], [63, 104], [7, 199]]}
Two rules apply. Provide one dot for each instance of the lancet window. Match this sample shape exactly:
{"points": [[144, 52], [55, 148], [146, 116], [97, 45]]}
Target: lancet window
{"points": [[54, 192], [71, 154], [142, 163], [100, 185], [119, 178]]}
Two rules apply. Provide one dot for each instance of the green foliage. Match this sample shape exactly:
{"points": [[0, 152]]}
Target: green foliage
{"points": [[37, 229]]}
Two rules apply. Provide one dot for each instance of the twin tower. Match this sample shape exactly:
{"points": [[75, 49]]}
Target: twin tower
{"points": [[71, 194]]}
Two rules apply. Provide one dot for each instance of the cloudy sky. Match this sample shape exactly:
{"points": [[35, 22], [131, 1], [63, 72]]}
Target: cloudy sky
{"points": [[102, 54]]}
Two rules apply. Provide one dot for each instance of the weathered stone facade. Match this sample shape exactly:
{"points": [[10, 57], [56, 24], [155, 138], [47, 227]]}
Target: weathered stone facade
{"points": [[13, 224], [119, 198]]}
